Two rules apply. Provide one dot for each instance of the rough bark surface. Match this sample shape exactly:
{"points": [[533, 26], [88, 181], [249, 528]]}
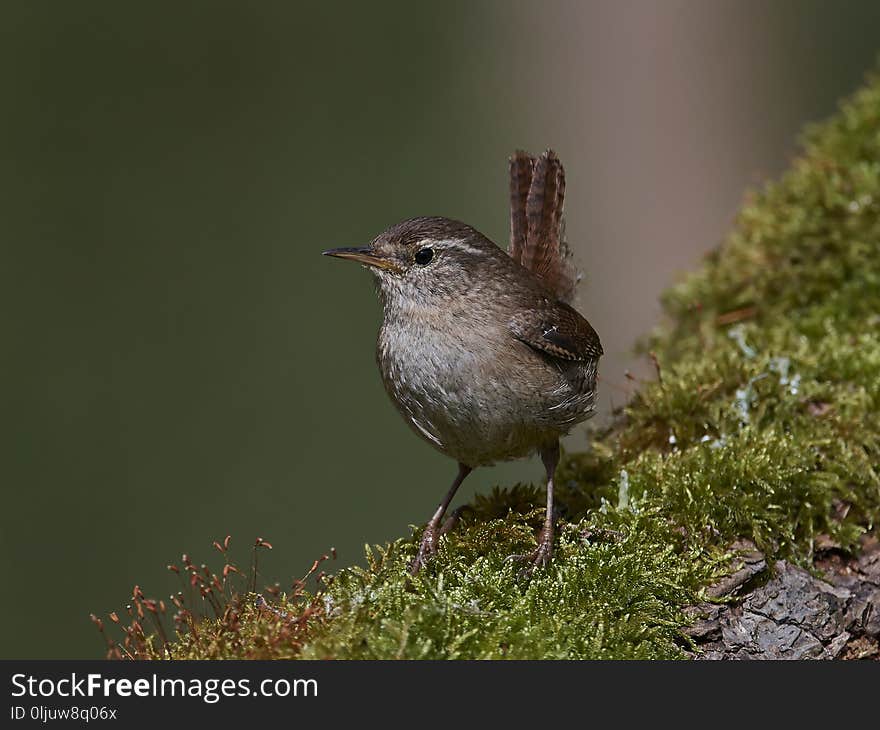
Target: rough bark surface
{"points": [[789, 613]]}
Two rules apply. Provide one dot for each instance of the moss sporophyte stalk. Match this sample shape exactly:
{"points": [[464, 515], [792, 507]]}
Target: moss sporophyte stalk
{"points": [[763, 425]]}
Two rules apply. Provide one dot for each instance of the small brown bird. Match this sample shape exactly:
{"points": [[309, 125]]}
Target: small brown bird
{"points": [[480, 349]]}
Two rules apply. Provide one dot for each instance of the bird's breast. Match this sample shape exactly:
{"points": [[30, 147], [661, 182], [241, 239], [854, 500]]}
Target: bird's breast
{"points": [[476, 393]]}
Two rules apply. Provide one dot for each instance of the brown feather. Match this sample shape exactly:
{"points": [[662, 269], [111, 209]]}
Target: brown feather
{"points": [[545, 252], [558, 330], [522, 165]]}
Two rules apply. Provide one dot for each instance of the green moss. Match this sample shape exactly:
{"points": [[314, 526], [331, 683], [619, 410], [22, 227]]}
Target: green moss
{"points": [[764, 424], [617, 598]]}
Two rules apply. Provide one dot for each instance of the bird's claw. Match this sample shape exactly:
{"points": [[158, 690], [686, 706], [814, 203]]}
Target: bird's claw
{"points": [[538, 558]]}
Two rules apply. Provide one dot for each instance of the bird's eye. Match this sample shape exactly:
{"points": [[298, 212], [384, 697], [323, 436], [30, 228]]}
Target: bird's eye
{"points": [[424, 256]]}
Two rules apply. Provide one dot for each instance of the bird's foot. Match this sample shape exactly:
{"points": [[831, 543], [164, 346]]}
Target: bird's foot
{"points": [[539, 557], [427, 549]]}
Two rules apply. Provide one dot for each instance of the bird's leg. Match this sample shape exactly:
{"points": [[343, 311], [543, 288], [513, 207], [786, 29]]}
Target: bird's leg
{"points": [[451, 522], [542, 555], [539, 557], [430, 536]]}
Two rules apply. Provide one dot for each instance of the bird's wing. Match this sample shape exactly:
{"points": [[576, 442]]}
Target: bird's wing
{"points": [[537, 225], [557, 330]]}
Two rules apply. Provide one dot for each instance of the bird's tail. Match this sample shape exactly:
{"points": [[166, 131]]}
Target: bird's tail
{"points": [[537, 226]]}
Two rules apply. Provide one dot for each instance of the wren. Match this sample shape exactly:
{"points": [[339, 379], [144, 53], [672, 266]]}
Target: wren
{"points": [[480, 349]]}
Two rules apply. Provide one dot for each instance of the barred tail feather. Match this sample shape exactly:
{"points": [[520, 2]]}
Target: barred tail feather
{"points": [[541, 248], [522, 166]]}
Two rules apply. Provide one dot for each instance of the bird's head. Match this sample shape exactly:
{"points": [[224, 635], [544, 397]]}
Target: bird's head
{"points": [[423, 259]]}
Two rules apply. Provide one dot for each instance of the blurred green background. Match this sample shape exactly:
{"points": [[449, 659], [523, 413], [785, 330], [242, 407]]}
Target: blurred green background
{"points": [[179, 362]]}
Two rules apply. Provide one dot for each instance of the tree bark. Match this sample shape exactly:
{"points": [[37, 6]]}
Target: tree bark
{"points": [[788, 613]]}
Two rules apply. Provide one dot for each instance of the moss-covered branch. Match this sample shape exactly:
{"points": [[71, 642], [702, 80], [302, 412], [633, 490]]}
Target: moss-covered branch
{"points": [[764, 424]]}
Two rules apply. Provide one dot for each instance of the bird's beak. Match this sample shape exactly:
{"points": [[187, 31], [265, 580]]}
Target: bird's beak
{"points": [[366, 256]]}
